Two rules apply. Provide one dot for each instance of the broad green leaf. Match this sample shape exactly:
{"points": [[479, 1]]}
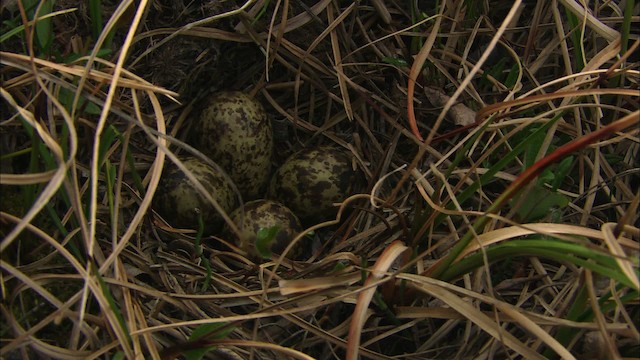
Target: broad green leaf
{"points": [[395, 61], [102, 53], [264, 239], [561, 172], [512, 76], [43, 28], [538, 203], [534, 143], [337, 268], [66, 99], [205, 330], [547, 176], [109, 135]]}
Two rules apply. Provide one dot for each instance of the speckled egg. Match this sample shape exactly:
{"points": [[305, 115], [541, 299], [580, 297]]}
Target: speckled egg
{"points": [[234, 131], [311, 180], [177, 199], [265, 214]]}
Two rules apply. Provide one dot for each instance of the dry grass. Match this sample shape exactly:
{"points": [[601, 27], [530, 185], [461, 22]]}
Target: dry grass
{"points": [[451, 113]]}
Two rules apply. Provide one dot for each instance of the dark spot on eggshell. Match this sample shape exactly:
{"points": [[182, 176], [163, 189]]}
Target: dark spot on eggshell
{"points": [[311, 180], [177, 199], [235, 132]]}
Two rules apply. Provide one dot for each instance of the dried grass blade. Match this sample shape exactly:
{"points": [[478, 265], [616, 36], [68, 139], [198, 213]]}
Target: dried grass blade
{"points": [[45, 348], [259, 344], [337, 58], [536, 330], [619, 254], [191, 26], [511, 232], [153, 183], [293, 23], [599, 316], [27, 179], [20, 28], [600, 28], [52, 187], [128, 313], [382, 11], [113, 86], [485, 112], [151, 344], [279, 35], [288, 287], [384, 262], [467, 80], [91, 243], [433, 287], [416, 67], [410, 312]]}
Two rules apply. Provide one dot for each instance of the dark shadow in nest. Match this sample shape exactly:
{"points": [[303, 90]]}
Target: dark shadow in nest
{"points": [[180, 65], [190, 65]]}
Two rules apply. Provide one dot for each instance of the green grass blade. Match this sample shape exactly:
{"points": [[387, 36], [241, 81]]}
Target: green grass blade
{"points": [[107, 139], [112, 304], [555, 249], [578, 306], [576, 41], [626, 25], [110, 177], [203, 258], [466, 194], [95, 13]]}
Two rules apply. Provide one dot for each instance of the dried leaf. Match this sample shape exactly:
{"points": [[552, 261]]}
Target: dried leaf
{"points": [[459, 113]]}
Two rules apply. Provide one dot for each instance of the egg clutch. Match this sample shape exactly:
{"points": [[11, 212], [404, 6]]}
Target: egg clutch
{"points": [[234, 131]]}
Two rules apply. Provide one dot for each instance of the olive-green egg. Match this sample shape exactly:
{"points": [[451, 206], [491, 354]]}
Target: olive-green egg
{"points": [[311, 180], [234, 131], [265, 214], [178, 201]]}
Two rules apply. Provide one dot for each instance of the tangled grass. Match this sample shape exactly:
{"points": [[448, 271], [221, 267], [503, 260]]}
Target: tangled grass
{"points": [[498, 144]]}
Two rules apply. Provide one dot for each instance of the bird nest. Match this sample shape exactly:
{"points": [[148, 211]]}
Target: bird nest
{"points": [[495, 216]]}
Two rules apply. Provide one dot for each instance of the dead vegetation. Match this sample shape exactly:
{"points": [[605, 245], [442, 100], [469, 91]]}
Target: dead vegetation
{"points": [[497, 218]]}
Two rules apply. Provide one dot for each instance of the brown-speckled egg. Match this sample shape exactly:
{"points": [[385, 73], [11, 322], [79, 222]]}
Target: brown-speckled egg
{"points": [[235, 132], [177, 199], [311, 180], [265, 214]]}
